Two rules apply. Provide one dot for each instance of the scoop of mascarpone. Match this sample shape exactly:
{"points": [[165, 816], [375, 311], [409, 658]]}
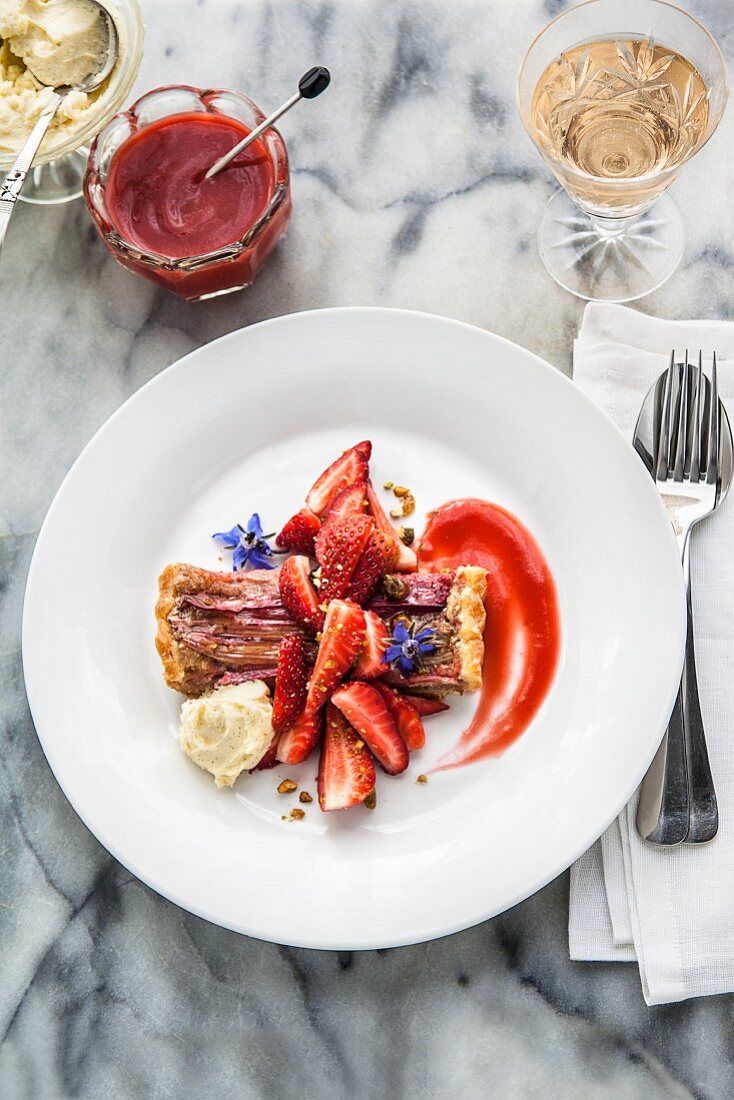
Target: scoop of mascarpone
{"points": [[61, 41], [228, 730]]}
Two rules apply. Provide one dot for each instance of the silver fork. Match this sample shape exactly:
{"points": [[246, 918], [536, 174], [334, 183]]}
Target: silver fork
{"points": [[677, 798]]}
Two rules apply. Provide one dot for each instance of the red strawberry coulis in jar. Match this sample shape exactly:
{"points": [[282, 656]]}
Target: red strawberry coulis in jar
{"points": [[522, 638], [160, 202]]}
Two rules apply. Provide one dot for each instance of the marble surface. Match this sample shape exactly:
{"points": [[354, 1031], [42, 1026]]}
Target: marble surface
{"points": [[109, 990]]}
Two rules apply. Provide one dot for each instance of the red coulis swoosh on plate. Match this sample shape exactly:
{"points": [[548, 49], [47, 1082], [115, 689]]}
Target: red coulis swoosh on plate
{"points": [[522, 637]]}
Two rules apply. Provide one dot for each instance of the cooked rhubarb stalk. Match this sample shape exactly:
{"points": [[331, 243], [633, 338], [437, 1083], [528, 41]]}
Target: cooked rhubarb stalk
{"points": [[212, 623], [216, 624]]}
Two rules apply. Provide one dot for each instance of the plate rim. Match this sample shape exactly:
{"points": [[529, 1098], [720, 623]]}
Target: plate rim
{"points": [[245, 927]]}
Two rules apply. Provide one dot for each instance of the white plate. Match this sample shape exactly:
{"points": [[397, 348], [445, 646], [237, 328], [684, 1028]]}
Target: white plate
{"points": [[245, 424]]}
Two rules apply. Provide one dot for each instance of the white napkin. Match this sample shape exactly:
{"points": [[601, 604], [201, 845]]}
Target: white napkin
{"points": [[672, 910]]}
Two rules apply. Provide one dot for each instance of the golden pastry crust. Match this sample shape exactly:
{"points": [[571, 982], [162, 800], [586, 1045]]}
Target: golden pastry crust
{"points": [[466, 612]]}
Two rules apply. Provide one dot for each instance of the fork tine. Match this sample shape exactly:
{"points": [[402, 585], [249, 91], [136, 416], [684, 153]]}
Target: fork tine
{"points": [[681, 438], [662, 454], [696, 417], [712, 471]]}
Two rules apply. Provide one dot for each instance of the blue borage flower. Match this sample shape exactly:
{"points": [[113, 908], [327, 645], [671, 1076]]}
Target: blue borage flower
{"points": [[249, 544], [406, 649]]}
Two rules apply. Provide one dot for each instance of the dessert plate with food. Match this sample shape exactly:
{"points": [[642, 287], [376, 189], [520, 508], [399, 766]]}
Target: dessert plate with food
{"points": [[371, 624]]}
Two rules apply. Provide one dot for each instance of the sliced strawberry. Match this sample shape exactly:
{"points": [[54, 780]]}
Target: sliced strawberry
{"points": [[341, 641], [291, 682], [352, 501], [299, 532], [270, 759], [298, 594], [406, 717], [349, 502], [407, 562], [425, 706], [352, 466], [371, 662], [367, 711], [339, 553], [380, 556], [300, 740], [346, 771]]}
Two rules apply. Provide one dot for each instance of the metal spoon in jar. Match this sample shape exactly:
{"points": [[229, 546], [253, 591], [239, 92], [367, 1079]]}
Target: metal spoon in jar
{"points": [[311, 84], [12, 185]]}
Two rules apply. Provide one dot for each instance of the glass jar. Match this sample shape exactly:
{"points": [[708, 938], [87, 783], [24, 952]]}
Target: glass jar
{"points": [[58, 169], [207, 275]]}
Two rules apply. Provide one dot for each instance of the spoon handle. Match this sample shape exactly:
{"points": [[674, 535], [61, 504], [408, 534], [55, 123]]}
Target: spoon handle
{"points": [[12, 185], [704, 813]]}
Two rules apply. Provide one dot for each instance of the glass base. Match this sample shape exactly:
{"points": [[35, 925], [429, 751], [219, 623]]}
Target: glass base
{"points": [[59, 181], [610, 260]]}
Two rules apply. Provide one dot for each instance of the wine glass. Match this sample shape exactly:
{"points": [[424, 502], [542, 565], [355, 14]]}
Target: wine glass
{"points": [[618, 95]]}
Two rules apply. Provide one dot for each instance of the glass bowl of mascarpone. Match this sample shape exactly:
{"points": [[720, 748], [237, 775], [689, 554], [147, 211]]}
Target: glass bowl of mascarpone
{"points": [[57, 39]]}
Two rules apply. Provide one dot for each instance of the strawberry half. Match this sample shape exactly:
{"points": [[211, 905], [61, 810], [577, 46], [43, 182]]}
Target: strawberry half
{"points": [[352, 466], [299, 532], [346, 771], [296, 745], [380, 556], [366, 710], [425, 706], [298, 594], [341, 641], [407, 562], [352, 501], [349, 502], [406, 717], [291, 681], [340, 550], [371, 660]]}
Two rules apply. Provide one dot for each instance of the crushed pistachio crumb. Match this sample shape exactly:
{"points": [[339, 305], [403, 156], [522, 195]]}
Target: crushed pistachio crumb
{"points": [[371, 800], [388, 485], [401, 491], [422, 778], [407, 535], [296, 814], [394, 587], [304, 797], [396, 513], [287, 786]]}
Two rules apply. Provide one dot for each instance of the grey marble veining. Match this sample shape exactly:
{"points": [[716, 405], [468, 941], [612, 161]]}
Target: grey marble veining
{"points": [[107, 989]]}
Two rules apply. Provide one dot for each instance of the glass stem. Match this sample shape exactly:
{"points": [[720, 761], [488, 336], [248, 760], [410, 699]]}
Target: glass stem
{"points": [[612, 227]]}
